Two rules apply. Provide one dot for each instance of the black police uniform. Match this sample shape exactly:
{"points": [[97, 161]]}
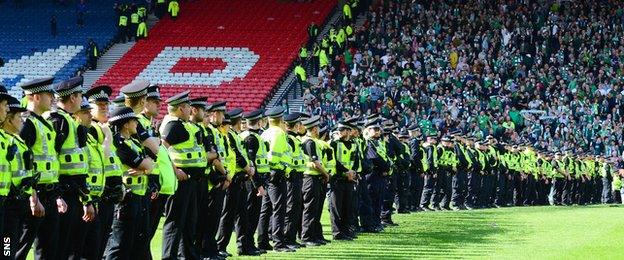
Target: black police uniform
{"points": [[341, 191], [181, 209]]}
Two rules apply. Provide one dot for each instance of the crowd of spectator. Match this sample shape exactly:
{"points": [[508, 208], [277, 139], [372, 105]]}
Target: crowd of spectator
{"points": [[547, 72]]}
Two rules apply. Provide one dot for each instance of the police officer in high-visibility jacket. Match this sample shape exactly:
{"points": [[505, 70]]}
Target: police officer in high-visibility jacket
{"points": [[430, 167], [6, 153], [173, 9], [97, 238], [341, 190], [134, 22], [136, 165], [256, 150], [199, 118], [295, 179], [280, 162], [94, 154], [314, 176], [416, 166], [122, 24], [448, 165], [184, 141], [235, 206], [211, 189], [358, 184], [379, 169], [162, 182], [19, 163], [69, 143]]}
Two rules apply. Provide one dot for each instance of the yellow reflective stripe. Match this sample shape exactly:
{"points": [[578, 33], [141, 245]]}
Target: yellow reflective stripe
{"points": [[48, 175], [72, 151], [112, 167], [187, 161], [72, 166], [20, 173]]}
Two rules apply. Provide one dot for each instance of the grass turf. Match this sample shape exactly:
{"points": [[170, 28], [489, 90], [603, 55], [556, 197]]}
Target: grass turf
{"points": [[593, 232], [524, 232]]}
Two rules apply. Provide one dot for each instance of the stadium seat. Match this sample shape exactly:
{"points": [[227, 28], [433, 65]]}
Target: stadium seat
{"points": [[257, 50]]}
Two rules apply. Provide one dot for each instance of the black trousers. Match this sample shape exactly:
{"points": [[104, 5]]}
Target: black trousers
{"points": [[474, 186], [596, 190], [606, 196], [558, 190], [294, 206], [312, 189], [486, 192], [90, 249], [389, 192], [529, 190], [375, 187], [254, 203], [415, 189], [354, 222], [264, 221], [16, 212], [70, 226], [277, 196], [568, 191], [339, 206], [156, 209], [364, 209], [234, 215], [442, 193], [428, 189], [43, 231], [501, 188], [458, 189], [401, 199], [180, 222], [542, 191], [210, 205], [125, 229], [106, 214]]}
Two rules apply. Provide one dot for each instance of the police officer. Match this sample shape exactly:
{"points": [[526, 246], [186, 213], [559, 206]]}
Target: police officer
{"points": [[430, 167], [21, 201], [256, 149], [136, 165], [354, 135], [69, 142], [198, 117], [94, 155], [184, 141], [341, 189], [162, 183], [280, 163], [135, 97], [448, 163], [380, 168], [39, 134], [97, 238], [7, 152], [416, 169], [211, 203], [295, 180], [234, 206], [314, 176]]}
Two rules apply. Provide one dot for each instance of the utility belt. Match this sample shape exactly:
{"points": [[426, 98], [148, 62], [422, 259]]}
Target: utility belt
{"points": [[113, 190], [294, 175], [277, 176], [239, 177], [70, 186]]}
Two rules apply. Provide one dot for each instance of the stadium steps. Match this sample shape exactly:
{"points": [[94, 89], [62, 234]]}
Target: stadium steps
{"points": [[106, 62], [280, 93]]}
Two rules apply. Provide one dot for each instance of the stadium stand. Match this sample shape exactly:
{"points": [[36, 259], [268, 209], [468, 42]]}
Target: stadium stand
{"points": [[236, 51], [29, 49]]}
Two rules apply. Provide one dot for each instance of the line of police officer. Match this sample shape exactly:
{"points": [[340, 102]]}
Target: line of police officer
{"points": [[80, 182]]}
